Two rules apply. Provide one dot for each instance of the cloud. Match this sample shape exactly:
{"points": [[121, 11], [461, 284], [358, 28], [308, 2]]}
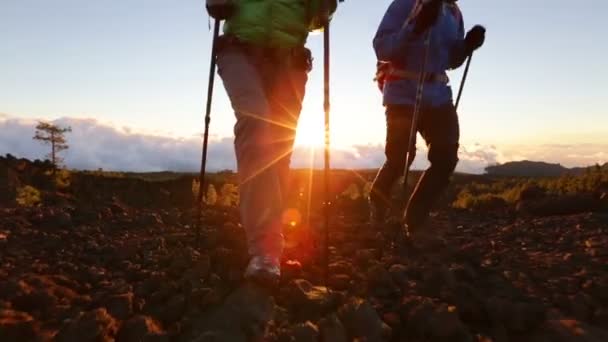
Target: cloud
{"points": [[94, 145], [569, 155]]}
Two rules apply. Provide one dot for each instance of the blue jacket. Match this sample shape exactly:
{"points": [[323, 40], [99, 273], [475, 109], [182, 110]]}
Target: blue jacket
{"points": [[396, 43]]}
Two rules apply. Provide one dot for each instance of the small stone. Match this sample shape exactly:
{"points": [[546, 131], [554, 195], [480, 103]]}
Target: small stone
{"points": [[392, 319], [305, 332], [206, 297], [528, 317], [120, 306], [445, 324], [341, 267], [416, 311], [183, 260], [362, 322], [247, 311], [515, 316], [399, 274], [435, 280], [17, 326], [364, 257], [470, 304], [441, 322], [331, 329], [149, 219], [581, 306], [92, 326], [463, 273], [202, 266], [41, 300], [171, 217], [339, 282], [380, 281], [307, 301], [291, 269], [56, 218], [600, 317], [221, 336], [141, 328], [174, 310], [568, 331]]}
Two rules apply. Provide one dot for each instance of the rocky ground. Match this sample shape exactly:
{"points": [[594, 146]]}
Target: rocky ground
{"points": [[116, 273]]}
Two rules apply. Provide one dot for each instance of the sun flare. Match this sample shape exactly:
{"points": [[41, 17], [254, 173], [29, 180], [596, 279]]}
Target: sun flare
{"points": [[309, 133]]}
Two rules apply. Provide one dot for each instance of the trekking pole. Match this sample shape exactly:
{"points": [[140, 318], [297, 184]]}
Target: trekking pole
{"points": [[327, 167], [212, 67], [326, 107], [464, 79], [417, 105]]}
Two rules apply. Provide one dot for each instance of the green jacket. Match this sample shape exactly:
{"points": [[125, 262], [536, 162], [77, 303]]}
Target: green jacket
{"points": [[276, 23]]}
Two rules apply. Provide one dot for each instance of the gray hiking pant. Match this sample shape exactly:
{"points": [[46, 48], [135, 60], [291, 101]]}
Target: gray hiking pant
{"points": [[266, 94], [440, 129]]}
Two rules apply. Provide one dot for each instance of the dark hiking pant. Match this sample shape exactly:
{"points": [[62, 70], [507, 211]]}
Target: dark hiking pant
{"points": [[440, 129], [266, 93]]}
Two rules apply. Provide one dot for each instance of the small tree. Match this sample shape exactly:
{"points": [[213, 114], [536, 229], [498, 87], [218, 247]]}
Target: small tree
{"points": [[229, 195], [352, 192], [54, 135], [211, 198], [28, 196], [196, 187], [367, 189]]}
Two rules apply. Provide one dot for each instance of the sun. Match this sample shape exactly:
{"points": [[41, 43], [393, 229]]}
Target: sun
{"points": [[310, 131]]}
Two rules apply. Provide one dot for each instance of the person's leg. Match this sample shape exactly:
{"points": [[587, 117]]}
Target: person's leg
{"points": [[260, 188], [286, 94], [439, 127], [398, 126]]}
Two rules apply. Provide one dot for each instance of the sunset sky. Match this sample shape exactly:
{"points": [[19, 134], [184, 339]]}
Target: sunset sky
{"points": [[138, 70]]}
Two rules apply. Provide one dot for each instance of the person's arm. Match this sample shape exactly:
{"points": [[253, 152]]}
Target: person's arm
{"points": [[458, 52], [465, 45], [396, 31], [315, 12], [221, 9]]}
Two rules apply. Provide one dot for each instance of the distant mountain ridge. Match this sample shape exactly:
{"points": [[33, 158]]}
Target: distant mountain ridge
{"points": [[527, 168]]}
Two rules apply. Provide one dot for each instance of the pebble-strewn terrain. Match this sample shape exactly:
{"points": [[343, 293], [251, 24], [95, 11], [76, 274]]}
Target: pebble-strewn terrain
{"points": [[117, 273]]}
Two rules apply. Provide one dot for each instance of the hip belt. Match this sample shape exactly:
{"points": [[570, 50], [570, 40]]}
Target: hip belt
{"points": [[298, 56], [400, 74]]}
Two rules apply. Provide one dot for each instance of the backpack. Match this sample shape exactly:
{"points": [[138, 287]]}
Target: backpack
{"points": [[383, 68]]}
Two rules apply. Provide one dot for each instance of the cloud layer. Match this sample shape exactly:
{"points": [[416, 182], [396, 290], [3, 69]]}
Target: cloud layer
{"points": [[96, 145]]}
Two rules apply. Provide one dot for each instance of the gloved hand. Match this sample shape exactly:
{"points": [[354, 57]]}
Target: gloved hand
{"points": [[428, 15], [475, 38], [220, 9]]}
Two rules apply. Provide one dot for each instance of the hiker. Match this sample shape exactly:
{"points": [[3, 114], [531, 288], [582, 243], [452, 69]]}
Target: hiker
{"points": [[400, 46], [264, 66]]}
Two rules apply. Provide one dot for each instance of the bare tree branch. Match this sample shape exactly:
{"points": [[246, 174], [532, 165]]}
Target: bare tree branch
{"points": [[53, 135]]}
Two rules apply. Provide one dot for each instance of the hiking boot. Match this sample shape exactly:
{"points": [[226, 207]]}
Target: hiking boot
{"points": [[264, 270]]}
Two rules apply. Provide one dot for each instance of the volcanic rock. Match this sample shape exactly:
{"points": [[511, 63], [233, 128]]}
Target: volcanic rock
{"points": [[362, 321], [141, 328], [93, 326], [120, 306], [331, 329]]}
